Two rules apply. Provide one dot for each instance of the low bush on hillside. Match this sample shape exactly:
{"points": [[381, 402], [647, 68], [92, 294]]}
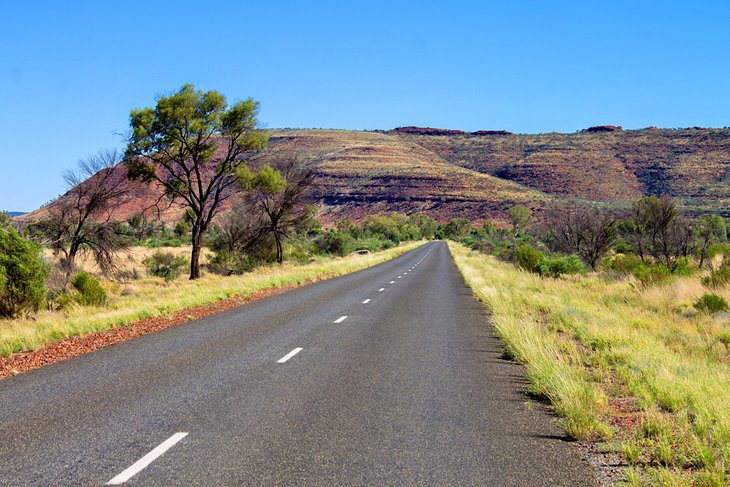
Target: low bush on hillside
{"points": [[534, 260], [711, 303], [89, 289], [529, 257], [22, 275], [165, 265], [556, 266]]}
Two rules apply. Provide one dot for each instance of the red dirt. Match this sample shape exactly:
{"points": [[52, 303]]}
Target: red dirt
{"points": [[66, 348]]}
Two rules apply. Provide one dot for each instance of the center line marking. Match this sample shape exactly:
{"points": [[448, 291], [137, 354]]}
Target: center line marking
{"points": [[341, 319], [140, 464], [289, 355], [400, 277], [366, 301], [381, 289], [392, 282]]}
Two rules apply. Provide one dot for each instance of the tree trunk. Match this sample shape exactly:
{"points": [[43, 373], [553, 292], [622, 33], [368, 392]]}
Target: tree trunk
{"points": [[195, 255], [279, 249]]}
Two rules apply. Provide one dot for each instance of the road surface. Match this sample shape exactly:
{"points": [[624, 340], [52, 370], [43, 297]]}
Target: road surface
{"points": [[387, 376]]}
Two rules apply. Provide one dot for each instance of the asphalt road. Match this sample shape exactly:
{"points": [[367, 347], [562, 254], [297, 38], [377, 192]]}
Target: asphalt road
{"points": [[407, 389]]}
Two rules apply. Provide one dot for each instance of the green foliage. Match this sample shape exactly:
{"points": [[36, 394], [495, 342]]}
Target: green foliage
{"points": [[711, 303], [334, 242], [624, 264], [89, 289], [520, 217], [651, 274], [556, 266], [456, 228], [528, 257], [182, 229], [22, 274], [165, 265], [718, 277]]}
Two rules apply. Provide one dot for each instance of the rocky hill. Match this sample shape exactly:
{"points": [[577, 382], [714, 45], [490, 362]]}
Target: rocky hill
{"points": [[478, 175]]}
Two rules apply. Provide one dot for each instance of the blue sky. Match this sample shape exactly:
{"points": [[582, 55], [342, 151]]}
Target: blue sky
{"points": [[71, 71]]}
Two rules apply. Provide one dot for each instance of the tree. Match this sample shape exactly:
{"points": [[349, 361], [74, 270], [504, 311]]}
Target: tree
{"points": [[520, 218], [710, 230], [277, 192], [22, 274], [81, 220], [655, 228], [586, 232], [456, 228], [192, 144]]}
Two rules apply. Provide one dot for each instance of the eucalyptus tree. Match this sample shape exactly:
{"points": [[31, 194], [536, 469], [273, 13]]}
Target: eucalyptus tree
{"points": [[192, 144]]}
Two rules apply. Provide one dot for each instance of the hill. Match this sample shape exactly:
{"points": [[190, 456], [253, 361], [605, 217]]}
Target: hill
{"points": [[479, 175]]}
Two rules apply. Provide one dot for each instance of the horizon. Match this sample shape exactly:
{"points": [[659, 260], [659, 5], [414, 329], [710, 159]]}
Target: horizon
{"points": [[73, 73]]}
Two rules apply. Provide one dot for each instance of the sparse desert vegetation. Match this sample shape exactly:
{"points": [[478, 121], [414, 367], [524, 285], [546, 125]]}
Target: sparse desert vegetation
{"points": [[156, 296], [635, 353]]}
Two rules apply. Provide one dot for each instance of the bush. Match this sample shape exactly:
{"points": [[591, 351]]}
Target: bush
{"points": [[182, 229], [89, 289], [711, 303], [718, 277], [22, 275], [625, 264], [556, 266], [651, 274], [165, 265], [332, 242], [528, 257]]}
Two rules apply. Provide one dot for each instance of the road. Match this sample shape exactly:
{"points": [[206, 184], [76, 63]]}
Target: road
{"points": [[387, 376]]}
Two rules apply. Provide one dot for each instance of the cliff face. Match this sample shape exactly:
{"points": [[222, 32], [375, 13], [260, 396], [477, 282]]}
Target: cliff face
{"points": [[478, 175]]}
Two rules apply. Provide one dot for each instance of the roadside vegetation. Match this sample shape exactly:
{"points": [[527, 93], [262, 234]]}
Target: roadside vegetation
{"points": [[43, 297], [622, 323]]}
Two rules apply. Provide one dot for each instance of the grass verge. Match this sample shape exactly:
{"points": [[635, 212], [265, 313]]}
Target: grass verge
{"points": [[150, 297], [636, 367]]}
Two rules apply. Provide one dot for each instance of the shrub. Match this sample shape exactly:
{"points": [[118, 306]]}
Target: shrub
{"points": [[22, 274], [332, 242], [625, 264], [89, 289], [528, 257], [555, 266], [650, 274], [182, 229], [711, 303], [718, 277], [165, 265]]}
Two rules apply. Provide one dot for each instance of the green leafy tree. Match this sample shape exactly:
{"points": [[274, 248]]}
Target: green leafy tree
{"points": [[710, 230], [193, 144], [276, 193], [456, 228], [520, 217], [22, 274]]}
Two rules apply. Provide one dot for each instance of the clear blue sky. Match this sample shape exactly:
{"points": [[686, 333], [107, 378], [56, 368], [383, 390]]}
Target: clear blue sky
{"points": [[71, 71]]}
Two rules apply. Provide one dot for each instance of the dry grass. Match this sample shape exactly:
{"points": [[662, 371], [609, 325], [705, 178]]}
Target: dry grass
{"points": [[152, 296], [590, 343]]}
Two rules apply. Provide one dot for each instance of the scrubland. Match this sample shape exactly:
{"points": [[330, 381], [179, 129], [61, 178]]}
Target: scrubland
{"points": [[142, 296], [635, 368]]}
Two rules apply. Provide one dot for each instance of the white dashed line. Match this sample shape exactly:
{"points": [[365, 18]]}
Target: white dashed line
{"points": [[392, 282], [140, 464], [366, 301], [400, 277], [289, 355], [341, 319]]}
